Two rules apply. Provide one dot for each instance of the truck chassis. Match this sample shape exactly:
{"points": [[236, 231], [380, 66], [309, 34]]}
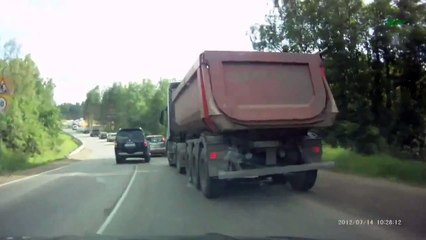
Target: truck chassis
{"points": [[209, 161]]}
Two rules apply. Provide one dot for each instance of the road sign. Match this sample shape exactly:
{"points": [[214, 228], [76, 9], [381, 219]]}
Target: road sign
{"points": [[6, 86], [3, 87], [3, 104], [6, 91]]}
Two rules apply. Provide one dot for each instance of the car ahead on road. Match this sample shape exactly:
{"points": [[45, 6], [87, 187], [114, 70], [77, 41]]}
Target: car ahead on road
{"points": [[83, 130], [103, 135], [157, 144], [95, 133], [111, 137], [131, 143]]}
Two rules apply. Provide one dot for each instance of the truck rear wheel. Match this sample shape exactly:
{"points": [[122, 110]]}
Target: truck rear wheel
{"points": [[279, 179], [211, 187], [196, 170], [180, 157], [179, 167], [189, 169], [303, 181], [170, 160]]}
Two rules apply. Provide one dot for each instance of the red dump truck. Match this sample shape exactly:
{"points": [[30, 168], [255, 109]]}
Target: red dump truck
{"points": [[249, 114]]}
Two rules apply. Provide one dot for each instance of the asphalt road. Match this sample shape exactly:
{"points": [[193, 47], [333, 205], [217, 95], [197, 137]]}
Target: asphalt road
{"points": [[148, 199]]}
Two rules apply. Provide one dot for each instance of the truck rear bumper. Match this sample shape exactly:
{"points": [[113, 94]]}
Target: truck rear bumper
{"points": [[158, 150], [273, 170]]}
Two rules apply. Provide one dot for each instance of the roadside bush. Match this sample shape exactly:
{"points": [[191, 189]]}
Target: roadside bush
{"points": [[11, 161], [376, 165]]}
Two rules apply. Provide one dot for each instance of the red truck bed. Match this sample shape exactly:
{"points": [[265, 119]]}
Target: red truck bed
{"points": [[235, 90]]}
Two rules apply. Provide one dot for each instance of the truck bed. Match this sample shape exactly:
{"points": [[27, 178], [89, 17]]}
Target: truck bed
{"points": [[238, 90]]}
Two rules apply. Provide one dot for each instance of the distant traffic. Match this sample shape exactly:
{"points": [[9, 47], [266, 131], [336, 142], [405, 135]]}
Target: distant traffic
{"points": [[128, 142]]}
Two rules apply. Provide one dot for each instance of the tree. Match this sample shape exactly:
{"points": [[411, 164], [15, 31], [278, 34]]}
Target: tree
{"points": [[32, 122], [375, 64], [92, 106], [71, 111], [11, 50], [137, 104]]}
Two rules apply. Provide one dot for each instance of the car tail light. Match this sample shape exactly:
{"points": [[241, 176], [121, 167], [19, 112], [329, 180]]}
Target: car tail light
{"points": [[163, 140], [213, 155], [145, 142], [316, 149]]}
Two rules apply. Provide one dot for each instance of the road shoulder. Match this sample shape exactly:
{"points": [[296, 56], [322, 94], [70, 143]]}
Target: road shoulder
{"points": [[21, 174], [377, 199]]}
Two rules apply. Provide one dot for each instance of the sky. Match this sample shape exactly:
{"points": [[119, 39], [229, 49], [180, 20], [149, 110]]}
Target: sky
{"points": [[84, 43]]}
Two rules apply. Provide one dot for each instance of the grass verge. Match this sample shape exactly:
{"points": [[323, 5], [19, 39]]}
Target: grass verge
{"points": [[378, 165], [10, 161], [59, 152]]}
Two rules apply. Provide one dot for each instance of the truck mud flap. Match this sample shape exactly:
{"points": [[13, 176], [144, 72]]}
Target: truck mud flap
{"points": [[273, 170]]}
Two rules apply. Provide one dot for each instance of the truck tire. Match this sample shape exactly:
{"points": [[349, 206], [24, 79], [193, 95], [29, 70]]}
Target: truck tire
{"points": [[180, 157], [181, 170], [170, 160], [303, 181], [211, 187], [189, 169], [196, 170], [279, 179]]}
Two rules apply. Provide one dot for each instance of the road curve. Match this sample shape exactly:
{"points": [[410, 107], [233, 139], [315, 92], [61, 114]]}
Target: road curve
{"points": [[95, 195]]}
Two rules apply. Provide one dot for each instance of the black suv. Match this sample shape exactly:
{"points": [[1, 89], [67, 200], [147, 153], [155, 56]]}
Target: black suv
{"points": [[95, 132], [131, 143]]}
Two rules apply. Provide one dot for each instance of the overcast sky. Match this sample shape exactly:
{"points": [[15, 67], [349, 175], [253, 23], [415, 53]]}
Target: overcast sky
{"points": [[84, 43]]}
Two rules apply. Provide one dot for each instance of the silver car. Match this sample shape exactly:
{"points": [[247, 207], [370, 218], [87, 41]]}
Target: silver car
{"points": [[157, 144], [111, 137]]}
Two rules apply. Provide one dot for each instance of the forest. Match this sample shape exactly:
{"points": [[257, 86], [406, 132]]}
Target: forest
{"points": [[376, 62], [137, 104]]}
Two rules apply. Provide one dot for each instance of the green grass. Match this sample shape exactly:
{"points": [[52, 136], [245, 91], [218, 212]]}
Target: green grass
{"points": [[378, 165], [59, 152], [11, 161]]}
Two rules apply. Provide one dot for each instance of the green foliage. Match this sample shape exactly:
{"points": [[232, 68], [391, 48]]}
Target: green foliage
{"points": [[65, 144], [91, 107], [32, 123], [375, 65], [377, 165], [137, 104], [71, 111], [11, 161]]}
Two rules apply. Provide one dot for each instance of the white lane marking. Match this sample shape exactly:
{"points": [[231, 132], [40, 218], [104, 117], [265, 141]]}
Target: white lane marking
{"points": [[32, 176], [117, 206]]}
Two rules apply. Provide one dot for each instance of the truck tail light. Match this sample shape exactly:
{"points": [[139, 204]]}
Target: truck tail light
{"points": [[213, 155], [316, 149]]}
